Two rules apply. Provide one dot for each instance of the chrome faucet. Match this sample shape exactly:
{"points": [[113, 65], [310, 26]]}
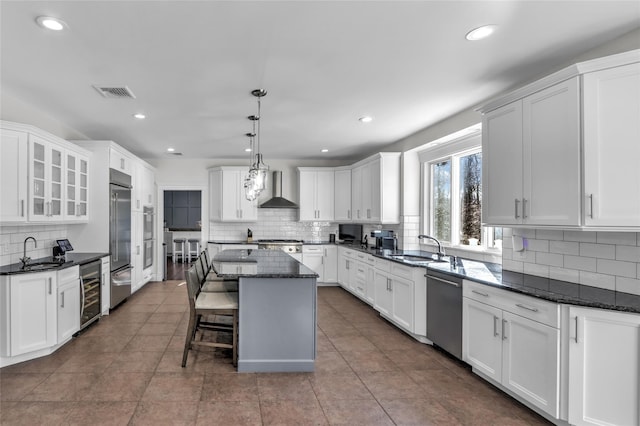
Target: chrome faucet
{"points": [[440, 252], [25, 259]]}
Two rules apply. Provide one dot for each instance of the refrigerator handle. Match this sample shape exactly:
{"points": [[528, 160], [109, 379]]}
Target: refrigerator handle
{"points": [[114, 231]]}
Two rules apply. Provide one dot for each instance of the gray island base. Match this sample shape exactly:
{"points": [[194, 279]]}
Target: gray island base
{"points": [[277, 310]]}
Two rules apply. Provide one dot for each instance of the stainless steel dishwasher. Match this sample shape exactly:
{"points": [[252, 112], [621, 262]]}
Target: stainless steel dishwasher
{"points": [[444, 312]]}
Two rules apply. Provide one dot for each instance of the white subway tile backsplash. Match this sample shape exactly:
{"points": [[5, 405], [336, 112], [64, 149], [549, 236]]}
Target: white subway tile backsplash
{"points": [[562, 274], [628, 285], [598, 280], [525, 233], [538, 245], [512, 265], [621, 238], [628, 253], [549, 259], [616, 267], [580, 236], [549, 234], [564, 247], [506, 232], [581, 263], [535, 269], [601, 251], [609, 260]]}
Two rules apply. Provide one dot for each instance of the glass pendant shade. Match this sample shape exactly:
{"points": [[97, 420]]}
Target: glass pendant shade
{"points": [[256, 180]]}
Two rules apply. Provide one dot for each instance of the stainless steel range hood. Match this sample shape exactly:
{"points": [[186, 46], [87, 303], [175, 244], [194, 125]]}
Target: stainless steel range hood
{"points": [[277, 202]]}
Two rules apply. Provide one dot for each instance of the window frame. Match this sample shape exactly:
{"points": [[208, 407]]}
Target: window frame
{"points": [[451, 148]]}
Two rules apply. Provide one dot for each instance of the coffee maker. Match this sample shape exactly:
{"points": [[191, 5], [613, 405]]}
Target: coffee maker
{"points": [[384, 239]]}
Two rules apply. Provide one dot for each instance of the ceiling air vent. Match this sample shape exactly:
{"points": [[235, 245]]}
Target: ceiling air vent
{"points": [[174, 153], [115, 92]]}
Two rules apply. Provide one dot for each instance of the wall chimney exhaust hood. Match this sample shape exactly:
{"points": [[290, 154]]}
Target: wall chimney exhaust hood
{"points": [[277, 202]]}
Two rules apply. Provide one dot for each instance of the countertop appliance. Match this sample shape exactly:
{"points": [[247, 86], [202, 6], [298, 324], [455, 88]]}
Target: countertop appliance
{"points": [[291, 247], [120, 236], [384, 239], [350, 232], [444, 312]]}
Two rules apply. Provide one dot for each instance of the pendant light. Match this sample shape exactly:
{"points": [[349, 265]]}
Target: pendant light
{"points": [[256, 180]]}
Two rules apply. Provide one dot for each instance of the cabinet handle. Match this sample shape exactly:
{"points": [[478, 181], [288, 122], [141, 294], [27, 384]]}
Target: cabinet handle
{"points": [[591, 206], [240, 213], [576, 329], [22, 208], [480, 293], [348, 213], [82, 302], [62, 304], [524, 208], [527, 307], [346, 264], [516, 204], [49, 285], [368, 213], [358, 213], [122, 163], [495, 326], [325, 252], [504, 329]]}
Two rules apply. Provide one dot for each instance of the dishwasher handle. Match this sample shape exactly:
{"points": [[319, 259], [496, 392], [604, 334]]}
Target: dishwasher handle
{"points": [[431, 277]]}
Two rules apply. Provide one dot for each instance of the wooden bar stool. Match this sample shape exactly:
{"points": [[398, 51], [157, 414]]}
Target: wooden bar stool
{"points": [[204, 304], [178, 249], [193, 248]]}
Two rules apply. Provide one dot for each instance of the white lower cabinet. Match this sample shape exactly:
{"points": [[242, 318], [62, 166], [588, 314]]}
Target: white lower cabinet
{"points": [[68, 309], [28, 317], [383, 299], [513, 340], [312, 258], [105, 278], [604, 367], [330, 264], [400, 295]]}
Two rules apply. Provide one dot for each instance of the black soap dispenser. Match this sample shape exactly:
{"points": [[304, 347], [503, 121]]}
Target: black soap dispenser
{"points": [[249, 235]]}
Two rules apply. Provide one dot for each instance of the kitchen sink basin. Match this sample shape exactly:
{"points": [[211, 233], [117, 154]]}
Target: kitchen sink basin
{"points": [[42, 266], [414, 259]]}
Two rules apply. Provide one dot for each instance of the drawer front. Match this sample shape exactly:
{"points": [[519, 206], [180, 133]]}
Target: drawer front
{"points": [[401, 270], [346, 252], [312, 249], [381, 264], [68, 274], [526, 306]]}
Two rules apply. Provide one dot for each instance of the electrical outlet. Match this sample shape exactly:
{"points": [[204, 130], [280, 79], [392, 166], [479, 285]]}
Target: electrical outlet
{"points": [[520, 255]]}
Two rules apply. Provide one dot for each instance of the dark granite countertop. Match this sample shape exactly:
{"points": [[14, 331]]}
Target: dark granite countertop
{"points": [[240, 263], [543, 288], [70, 260], [231, 242]]}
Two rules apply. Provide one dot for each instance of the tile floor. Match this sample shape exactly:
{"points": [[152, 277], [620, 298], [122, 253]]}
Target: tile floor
{"points": [[126, 370]]}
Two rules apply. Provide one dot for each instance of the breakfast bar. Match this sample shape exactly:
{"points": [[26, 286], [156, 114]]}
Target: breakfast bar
{"points": [[277, 309]]}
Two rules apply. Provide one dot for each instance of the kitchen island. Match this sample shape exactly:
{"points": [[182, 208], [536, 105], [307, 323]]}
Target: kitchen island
{"points": [[277, 309]]}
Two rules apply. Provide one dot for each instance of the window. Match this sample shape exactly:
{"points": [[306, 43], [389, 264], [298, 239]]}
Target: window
{"points": [[452, 183]]}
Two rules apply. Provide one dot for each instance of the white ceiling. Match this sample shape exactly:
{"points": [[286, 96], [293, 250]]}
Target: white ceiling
{"points": [[193, 64]]}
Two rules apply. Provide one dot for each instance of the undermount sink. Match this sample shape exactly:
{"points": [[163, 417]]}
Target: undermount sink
{"points": [[41, 266], [414, 258]]}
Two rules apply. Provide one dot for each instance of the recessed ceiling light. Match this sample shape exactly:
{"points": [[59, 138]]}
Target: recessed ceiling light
{"points": [[247, 150], [366, 119], [324, 150], [170, 149], [480, 32], [50, 23], [140, 116]]}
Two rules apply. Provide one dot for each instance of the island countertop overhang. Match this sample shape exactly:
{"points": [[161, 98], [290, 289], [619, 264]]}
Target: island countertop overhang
{"points": [[253, 263]]}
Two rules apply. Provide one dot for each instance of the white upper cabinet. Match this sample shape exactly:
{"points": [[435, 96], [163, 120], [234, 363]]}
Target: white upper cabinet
{"points": [[143, 186], [13, 175], [375, 189], [227, 202], [342, 195], [612, 147], [45, 180], [316, 193], [76, 207], [120, 161], [531, 156], [578, 128]]}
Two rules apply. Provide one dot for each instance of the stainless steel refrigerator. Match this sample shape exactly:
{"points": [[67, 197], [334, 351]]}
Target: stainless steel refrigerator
{"points": [[120, 236]]}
